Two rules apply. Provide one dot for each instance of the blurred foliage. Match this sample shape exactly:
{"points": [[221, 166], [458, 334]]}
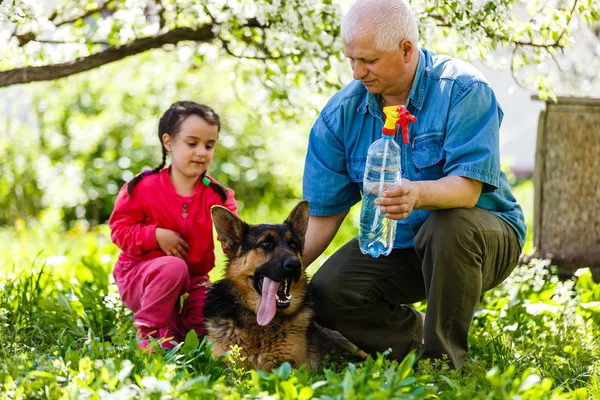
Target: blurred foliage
{"points": [[285, 43], [70, 144], [82, 138]]}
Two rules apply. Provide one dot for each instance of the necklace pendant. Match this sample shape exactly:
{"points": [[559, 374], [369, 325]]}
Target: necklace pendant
{"points": [[184, 214]]}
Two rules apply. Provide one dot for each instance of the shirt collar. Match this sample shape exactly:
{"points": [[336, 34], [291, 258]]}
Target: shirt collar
{"points": [[416, 96], [417, 92]]}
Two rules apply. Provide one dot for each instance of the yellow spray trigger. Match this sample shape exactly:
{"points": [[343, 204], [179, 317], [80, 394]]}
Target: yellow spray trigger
{"points": [[391, 116]]}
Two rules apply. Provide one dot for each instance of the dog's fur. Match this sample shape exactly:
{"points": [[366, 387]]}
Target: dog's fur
{"points": [[233, 305]]}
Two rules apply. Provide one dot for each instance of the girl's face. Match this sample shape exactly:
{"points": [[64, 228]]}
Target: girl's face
{"points": [[193, 147]]}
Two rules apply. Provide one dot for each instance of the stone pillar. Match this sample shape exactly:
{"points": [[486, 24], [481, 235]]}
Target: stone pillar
{"points": [[566, 225]]}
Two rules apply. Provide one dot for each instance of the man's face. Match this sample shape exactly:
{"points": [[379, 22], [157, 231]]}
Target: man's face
{"points": [[382, 72]]}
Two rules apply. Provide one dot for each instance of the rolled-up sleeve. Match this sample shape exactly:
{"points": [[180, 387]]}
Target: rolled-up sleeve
{"points": [[129, 229], [472, 145], [326, 183]]}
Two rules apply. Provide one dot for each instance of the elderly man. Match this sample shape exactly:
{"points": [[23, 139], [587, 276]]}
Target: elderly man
{"points": [[459, 228]]}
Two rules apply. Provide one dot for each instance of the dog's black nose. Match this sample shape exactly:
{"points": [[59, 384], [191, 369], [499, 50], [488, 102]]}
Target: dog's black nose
{"points": [[292, 264]]}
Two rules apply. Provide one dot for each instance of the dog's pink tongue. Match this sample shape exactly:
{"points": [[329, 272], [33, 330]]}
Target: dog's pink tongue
{"points": [[268, 306]]}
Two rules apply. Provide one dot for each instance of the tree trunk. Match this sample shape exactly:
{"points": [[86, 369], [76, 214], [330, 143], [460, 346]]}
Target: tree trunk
{"points": [[567, 184]]}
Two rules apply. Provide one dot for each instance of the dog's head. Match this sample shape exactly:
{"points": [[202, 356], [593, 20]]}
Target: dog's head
{"points": [[265, 261]]}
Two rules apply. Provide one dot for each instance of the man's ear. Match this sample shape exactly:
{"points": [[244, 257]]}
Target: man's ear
{"points": [[407, 48], [298, 219], [230, 228], [166, 139]]}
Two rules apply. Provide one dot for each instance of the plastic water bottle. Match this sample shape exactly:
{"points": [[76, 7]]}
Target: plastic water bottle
{"points": [[382, 172]]}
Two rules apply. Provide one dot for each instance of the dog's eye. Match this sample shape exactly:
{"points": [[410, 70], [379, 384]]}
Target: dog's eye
{"points": [[293, 246], [265, 245]]}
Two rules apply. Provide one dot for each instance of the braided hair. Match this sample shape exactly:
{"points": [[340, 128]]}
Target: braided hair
{"points": [[170, 123]]}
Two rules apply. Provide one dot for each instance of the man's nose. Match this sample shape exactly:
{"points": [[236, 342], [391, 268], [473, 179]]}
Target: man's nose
{"points": [[359, 70]]}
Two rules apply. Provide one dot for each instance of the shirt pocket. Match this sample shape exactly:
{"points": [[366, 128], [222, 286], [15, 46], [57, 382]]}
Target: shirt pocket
{"points": [[428, 155]]}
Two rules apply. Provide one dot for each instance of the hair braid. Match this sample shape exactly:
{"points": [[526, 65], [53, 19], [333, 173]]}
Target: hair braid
{"points": [[217, 187], [135, 181]]}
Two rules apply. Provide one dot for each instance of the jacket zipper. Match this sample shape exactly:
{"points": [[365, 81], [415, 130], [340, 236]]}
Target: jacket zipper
{"points": [[185, 215]]}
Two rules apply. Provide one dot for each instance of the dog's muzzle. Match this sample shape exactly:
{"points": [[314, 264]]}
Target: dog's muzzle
{"points": [[284, 296]]}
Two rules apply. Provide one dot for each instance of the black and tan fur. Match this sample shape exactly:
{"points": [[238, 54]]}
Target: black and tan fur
{"points": [[232, 304]]}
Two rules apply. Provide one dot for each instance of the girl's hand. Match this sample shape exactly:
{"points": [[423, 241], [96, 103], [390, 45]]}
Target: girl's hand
{"points": [[171, 243]]}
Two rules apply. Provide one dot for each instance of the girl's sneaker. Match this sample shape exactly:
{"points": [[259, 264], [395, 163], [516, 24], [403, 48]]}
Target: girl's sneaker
{"points": [[164, 337]]}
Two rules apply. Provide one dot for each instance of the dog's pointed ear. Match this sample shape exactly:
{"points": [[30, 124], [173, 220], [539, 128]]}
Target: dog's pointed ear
{"points": [[298, 219], [230, 228]]}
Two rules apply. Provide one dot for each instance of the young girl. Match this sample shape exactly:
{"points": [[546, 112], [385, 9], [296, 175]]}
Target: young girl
{"points": [[162, 224]]}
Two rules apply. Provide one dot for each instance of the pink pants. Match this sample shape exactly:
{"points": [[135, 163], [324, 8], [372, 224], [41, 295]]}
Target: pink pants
{"points": [[152, 290]]}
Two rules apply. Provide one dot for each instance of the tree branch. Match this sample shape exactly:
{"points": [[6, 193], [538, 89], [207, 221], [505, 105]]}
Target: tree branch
{"points": [[69, 42], [440, 21], [513, 71], [228, 50], [89, 13], [55, 71]]}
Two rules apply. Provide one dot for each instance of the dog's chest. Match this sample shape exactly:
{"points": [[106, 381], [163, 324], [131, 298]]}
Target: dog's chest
{"points": [[264, 347]]}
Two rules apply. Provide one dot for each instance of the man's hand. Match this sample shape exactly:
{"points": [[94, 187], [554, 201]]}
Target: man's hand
{"points": [[447, 192], [398, 202], [171, 243]]}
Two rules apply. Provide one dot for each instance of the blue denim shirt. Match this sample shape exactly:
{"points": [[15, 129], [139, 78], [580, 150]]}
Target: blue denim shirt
{"points": [[456, 133]]}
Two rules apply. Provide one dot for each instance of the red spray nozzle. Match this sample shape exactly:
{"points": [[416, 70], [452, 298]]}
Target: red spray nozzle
{"points": [[405, 118]]}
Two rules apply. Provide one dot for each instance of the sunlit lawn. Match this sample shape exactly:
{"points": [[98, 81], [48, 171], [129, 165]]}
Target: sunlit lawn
{"points": [[65, 334]]}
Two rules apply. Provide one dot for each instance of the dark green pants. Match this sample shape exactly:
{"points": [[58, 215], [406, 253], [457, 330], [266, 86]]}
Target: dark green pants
{"points": [[458, 254]]}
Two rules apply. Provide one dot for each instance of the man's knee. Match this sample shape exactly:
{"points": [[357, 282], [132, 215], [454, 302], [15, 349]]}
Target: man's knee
{"points": [[447, 229], [449, 238]]}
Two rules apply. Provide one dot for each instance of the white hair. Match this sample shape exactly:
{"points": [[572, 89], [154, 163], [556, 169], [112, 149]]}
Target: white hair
{"points": [[392, 21]]}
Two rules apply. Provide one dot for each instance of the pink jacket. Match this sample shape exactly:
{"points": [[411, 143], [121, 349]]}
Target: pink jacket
{"points": [[155, 203]]}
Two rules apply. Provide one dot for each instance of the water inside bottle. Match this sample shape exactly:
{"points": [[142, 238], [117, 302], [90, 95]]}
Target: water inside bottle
{"points": [[376, 233], [373, 242], [382, 172]]}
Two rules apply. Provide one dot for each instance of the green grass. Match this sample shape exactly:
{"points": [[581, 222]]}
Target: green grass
{"points": [[65, 334]]}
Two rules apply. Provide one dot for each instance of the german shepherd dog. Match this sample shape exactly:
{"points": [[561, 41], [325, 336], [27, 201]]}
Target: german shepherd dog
{"points": [[263, 304]]}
